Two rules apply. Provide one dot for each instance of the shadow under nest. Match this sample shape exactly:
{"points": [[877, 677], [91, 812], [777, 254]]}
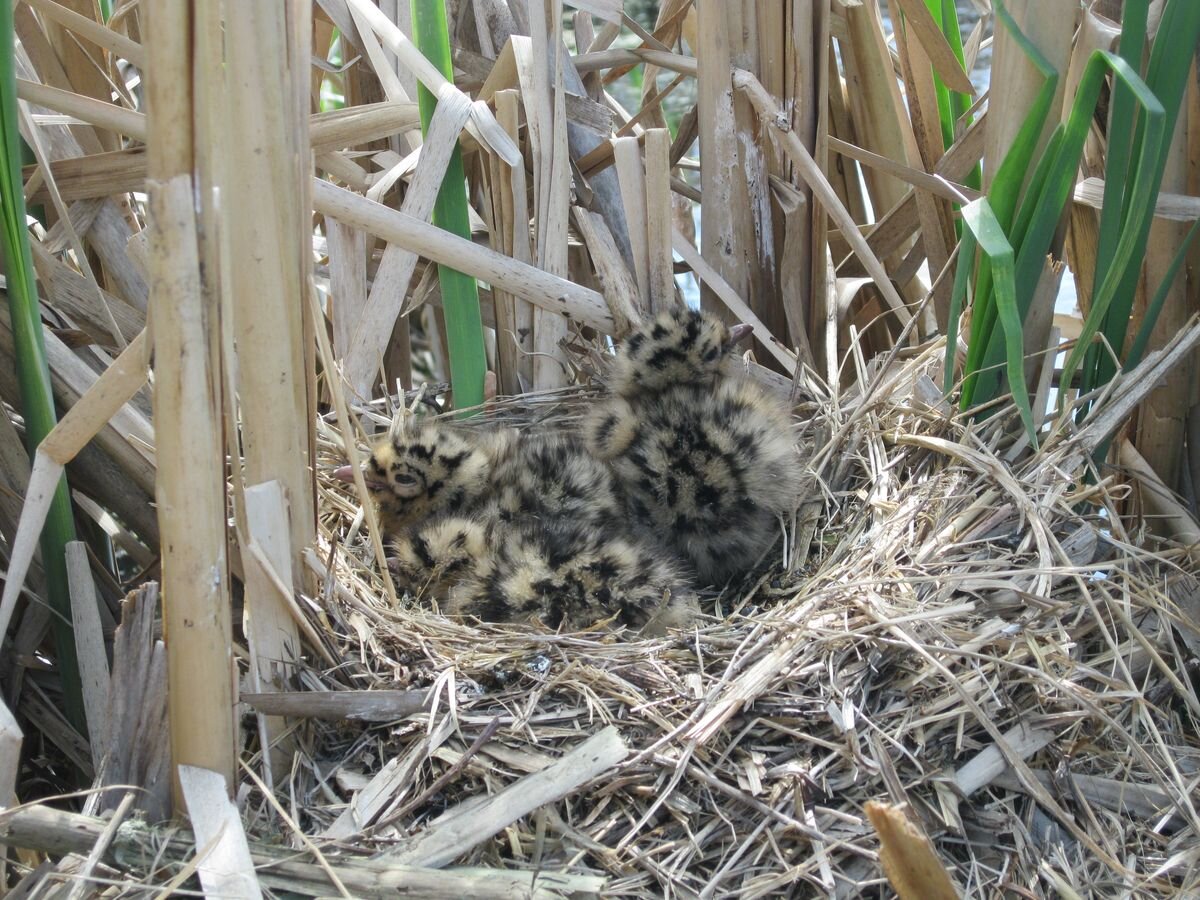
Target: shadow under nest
{"points": [[977, 639]]}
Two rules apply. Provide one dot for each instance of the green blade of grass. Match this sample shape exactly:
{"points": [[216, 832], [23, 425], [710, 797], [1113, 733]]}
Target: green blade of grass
{"points": [[946, 107], [1131, 243], [1042, 206], [988, 378], [1166, 77], [962, 279], [988, 381], [1138, 348], [1122, 128], [460, 292], [33, 375], [952, 106], [1005, 195], [1119, 145], [981, 221]]}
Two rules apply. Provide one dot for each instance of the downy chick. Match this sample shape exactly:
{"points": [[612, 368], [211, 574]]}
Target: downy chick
{"points": [[705, 458], [425, 468], [558, 573], [507, 526]]}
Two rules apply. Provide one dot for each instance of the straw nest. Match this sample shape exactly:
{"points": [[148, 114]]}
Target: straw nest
{"points": [[976, 639]]}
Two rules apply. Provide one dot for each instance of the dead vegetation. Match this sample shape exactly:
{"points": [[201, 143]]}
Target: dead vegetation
{"points": [[968, 658]]}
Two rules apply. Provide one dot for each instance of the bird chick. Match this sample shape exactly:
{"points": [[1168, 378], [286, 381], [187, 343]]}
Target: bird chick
{"points": [[509, 527], [553, 571], [425, 468], [546, 477], [705, 458]]}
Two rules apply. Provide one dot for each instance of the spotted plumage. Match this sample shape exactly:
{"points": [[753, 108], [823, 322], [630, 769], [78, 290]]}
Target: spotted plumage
{"points": [[505, 526], [705, 459], [425, 468], [547, 477], [559, 573]]}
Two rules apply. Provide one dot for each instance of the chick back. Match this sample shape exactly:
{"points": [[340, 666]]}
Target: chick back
{"points": [[552, 476], [705, 468]]}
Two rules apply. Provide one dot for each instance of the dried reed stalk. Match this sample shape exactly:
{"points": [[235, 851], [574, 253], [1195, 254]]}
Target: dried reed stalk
{"points": [[960, 607], [266, 260], [190, 488]]}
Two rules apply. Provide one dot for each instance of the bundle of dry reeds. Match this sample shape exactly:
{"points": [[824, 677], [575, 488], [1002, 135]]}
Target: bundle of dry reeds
{"points": [[970, 667]]}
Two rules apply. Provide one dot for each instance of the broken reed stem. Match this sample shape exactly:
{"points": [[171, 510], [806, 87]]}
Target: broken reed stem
{"points": [[581, 304], [807, 168], [58, 833], [95, 112], [86, 417], [908, 857], [461, 829], [117, 44], [365, 706]]}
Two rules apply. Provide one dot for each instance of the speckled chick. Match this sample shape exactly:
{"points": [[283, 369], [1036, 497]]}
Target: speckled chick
{"points": [[425, 468], [559, 573], [705, 458], [429, 467], [507, 526]]}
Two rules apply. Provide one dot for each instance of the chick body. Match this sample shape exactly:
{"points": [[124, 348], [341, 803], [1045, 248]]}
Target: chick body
{"points": [[558, 573], [705, 459], [506, 526]]}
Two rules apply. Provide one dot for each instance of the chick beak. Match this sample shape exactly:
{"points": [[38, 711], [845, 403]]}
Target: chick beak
{"points": [[346, 473], [739, 333]]}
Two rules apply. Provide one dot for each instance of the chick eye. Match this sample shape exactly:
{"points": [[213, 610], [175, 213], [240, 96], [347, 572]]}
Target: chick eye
{"points": [[711, 354], [404, 479]]}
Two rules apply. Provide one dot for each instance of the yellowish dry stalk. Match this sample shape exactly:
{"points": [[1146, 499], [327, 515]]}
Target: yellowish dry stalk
{"points": [[190, 492], [808, 170], [510, 236], [736, 228], [661, 276], [528, 282], [94, 112], [264, 153], [874, 98], [93, 411], [1050, 25], [631, 173], [118, 44], [190, 487], [372, 331], [908, 857]]}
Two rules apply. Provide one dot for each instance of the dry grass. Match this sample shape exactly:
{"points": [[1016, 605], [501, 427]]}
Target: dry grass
{"points": [[963, 655], [983, 644], [978, 642]]}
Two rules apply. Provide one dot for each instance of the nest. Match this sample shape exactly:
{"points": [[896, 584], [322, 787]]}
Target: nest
{"points": [[977, 641], [955, 656]]}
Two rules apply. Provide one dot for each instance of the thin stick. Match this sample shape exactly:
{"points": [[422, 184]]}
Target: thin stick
{"points": [[101, 846], [98, 34], [297, 831], [336, 391]]}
